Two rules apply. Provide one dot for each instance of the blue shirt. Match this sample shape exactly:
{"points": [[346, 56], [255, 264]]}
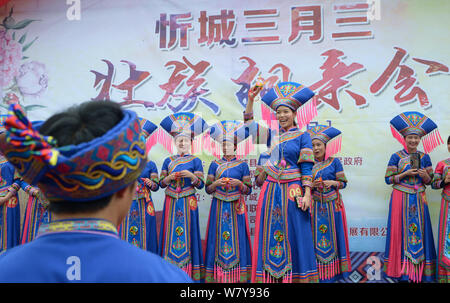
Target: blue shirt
{"points": [[84, 250]]}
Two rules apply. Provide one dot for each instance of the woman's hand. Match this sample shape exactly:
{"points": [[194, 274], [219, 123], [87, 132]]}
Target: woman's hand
{"points": [[170, 178], [447, 178], [34, 192], [305, 202], [187, 174], [411, 172], [3, 200], [424, 174], [330, 183], [6, 198], [317, 183], [147, 182], [253, 92], [219, 182], [236, 182]]}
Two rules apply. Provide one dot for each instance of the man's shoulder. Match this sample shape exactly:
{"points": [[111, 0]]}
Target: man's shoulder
{"points": [[110, 260], [148, 264]]}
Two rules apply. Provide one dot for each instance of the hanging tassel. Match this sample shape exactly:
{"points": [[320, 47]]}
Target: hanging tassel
{"points": [[408, 270], [414, 271], [197, 145], [152, 140], [399, 137], [165, 140], [267, 115], [425, 144], [337, 267], [249, 146], [403, 267], [206, 142], [187, 268], [244, 148], [332, 269], [333, 146], [227, 276], [287, 277], [215, 273], [216, 150], [328, 270], [239, 274], [411, 271], [306, 113], [431, 140], [421, 270]]}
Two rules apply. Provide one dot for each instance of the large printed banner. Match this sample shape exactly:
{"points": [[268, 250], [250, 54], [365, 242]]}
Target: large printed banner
{"points": [[367, 61]]}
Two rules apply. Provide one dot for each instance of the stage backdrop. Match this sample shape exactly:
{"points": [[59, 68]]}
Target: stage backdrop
{"points": [[366, 61]]}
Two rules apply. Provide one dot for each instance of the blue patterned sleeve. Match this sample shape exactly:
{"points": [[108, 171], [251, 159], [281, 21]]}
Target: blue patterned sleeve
{"points": [[263, 158], [29, 189], [211, 176], [246, 179], [392, 171], [340, 175], [8, 169], [154, 176], [164, 172], [198, 172], [428, 166], [306, 160], [438, 176]]}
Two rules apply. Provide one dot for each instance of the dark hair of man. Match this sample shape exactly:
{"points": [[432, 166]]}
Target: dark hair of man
{"points": [[448, 140], [78, 124]]}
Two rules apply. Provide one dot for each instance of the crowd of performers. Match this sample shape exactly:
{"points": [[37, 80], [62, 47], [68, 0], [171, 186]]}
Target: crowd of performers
{"points": [[301, 232]]}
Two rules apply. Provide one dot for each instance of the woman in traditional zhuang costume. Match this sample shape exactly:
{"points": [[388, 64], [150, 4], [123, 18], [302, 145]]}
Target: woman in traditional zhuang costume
{"points": [[410, 253], [283, 249], [228, 249], [181, 175], [9, 201], [329, 222], [442, 181], [139, 227]]}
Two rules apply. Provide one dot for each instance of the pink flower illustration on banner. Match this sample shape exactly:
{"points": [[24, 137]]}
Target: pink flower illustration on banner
{"points": [[32, 79], [10, 57], [18, 79]]}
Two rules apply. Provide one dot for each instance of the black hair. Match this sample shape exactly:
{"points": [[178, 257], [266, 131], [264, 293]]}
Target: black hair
{"points": [[448, 140], [78, 124]]}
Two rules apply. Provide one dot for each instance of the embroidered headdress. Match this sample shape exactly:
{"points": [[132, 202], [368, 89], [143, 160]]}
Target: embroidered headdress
{"points": [[415, 123], [293, 95], [329, 135], [182, 124], [230, 130], [84, 172], [148, 130]]}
